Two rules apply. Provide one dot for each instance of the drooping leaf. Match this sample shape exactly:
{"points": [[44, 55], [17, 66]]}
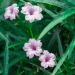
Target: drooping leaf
{"points": [[56, 21], [6, 59]]}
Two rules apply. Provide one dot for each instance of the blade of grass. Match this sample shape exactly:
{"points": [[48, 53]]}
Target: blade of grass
{"points": [[17, 44], [63, 58], [70, 52], [59, 44], [56, 21], [53, 39], [6, 59], [47, 11], [71, 2], [52, 2], [2, 36], [6, 54], [15, 37]]}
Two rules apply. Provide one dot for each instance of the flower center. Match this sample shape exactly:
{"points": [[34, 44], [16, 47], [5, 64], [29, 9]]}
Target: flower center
{"points": [[47, 58], [31, 11], [34, 48], [11, 9]]}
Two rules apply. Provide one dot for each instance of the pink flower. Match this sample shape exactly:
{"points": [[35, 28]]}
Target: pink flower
{"points": [[32, 12], [47, 59], [33, 47], [11, 12]]}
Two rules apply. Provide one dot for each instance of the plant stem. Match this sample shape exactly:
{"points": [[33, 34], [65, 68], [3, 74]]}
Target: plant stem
{"points": [[31, 31]]}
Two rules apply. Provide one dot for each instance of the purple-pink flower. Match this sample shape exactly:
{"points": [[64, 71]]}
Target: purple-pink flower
{"points": [[47, 59], [33, 48], [32, 12], [11, 12]]}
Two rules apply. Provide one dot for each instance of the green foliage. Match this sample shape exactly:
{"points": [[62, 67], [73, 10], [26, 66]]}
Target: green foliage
{"points": [[56, 30], [52, 2], [63, 58], [57, 20]]}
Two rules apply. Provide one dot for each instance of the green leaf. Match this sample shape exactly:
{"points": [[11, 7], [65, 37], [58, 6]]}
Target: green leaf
{"points": [[71, 2], [17, 44], [48, 11], [63, 58], [59, 44], [52, 2], [2, 36], [57, 20], [52, 40], [6, 59], [6, 54], [70, 52]]}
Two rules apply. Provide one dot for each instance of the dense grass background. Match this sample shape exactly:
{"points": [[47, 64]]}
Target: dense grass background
{"points": [[56, 30]]}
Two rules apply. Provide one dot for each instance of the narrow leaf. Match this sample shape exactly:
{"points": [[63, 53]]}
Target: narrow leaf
{"points": [[6, 59], [57, 20], [63, 58], [59, 44], [52, 2]]}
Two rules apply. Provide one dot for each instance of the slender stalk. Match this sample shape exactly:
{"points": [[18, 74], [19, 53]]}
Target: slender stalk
{"points": [[6, 59], [31, 33]]}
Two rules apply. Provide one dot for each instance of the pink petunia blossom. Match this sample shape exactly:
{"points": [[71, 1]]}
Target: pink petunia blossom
{"points": [[32, 12], [11, 12], [33, 48], [47, 59]]}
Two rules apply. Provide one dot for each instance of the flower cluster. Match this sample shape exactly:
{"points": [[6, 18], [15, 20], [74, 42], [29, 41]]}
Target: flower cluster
{"points": [[34, 48], [31, 12]]}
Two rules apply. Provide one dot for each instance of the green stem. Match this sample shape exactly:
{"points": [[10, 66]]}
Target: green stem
{"points": [[31, 31]]}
